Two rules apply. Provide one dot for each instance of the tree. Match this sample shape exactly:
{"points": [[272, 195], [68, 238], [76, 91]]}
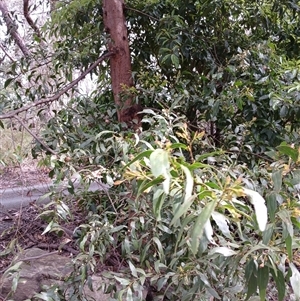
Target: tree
{"points": [[120, 62]]}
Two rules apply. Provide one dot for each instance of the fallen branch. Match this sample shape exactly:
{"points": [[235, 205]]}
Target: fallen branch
{"points": [[30, 259], [43, 101]]}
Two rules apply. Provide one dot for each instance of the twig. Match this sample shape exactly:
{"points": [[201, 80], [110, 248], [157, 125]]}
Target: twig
{"points": [[12, 114], [106, 192], [35, 136], [31, 258], [141, 12], [3, 49], [55, 246]]}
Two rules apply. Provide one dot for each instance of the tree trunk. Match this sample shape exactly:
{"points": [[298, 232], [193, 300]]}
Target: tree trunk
{"points": [[120, 62]]}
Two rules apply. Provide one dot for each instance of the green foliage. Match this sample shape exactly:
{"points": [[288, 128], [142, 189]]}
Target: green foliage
{"points": [[182, 228], [234, 63], [203, 201]]}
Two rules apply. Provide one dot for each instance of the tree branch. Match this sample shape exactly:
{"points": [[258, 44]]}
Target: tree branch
{"points": [[34, 135], [42, 101], [5, 52], [12, 28], [141, 12], [28, 18]]}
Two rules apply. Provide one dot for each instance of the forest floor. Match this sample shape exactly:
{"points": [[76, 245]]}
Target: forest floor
{"points": [[23, 227], [25, 174]]}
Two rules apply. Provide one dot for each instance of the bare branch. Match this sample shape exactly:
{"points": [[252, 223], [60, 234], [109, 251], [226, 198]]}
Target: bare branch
{"points": [[28, 18], [12, 28], [141, 12], [42, 101], [5, 52], [34, 135]]}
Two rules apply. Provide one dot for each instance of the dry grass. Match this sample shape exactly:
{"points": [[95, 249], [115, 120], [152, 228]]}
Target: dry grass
{"points": [[15, 147], [17, 167]]}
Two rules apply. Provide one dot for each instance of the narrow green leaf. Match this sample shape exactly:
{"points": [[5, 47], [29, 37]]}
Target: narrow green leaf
{"points": [[226, 252], [48, 228], [272, 205], [178, 145], [122, 281], [189, 183], [280, 283], [209, 232], [260, 208], [175, 60], [117, 229], [250, 269], [147, 184], [286, 219], [251, 286], [146, 154], [14, 284], [166, 183], [132, 269], [206, 155], [289, 151], [267, 234], [199, 225], [262, 280], [82, 243], [160, 165], [288, 244], [144, 252], [166, 57], [14, 268], [160, 249], [182, 209], [222, 223], [277, 180], [158, 200], [254, 249], [7, 82]]}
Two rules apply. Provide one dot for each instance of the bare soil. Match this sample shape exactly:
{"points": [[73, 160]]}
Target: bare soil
{"points": [[23, 228], [26, 174]]}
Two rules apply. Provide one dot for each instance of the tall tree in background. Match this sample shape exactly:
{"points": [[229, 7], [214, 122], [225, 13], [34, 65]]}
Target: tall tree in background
{"points": [[120, 61], [114, 25]]}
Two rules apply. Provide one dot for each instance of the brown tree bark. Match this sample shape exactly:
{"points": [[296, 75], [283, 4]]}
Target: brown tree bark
{"points": [[120, 62], [12, 28], [28, 18]]}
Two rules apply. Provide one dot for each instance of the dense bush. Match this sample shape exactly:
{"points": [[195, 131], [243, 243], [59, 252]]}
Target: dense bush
{"points": [[183, 225]]}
